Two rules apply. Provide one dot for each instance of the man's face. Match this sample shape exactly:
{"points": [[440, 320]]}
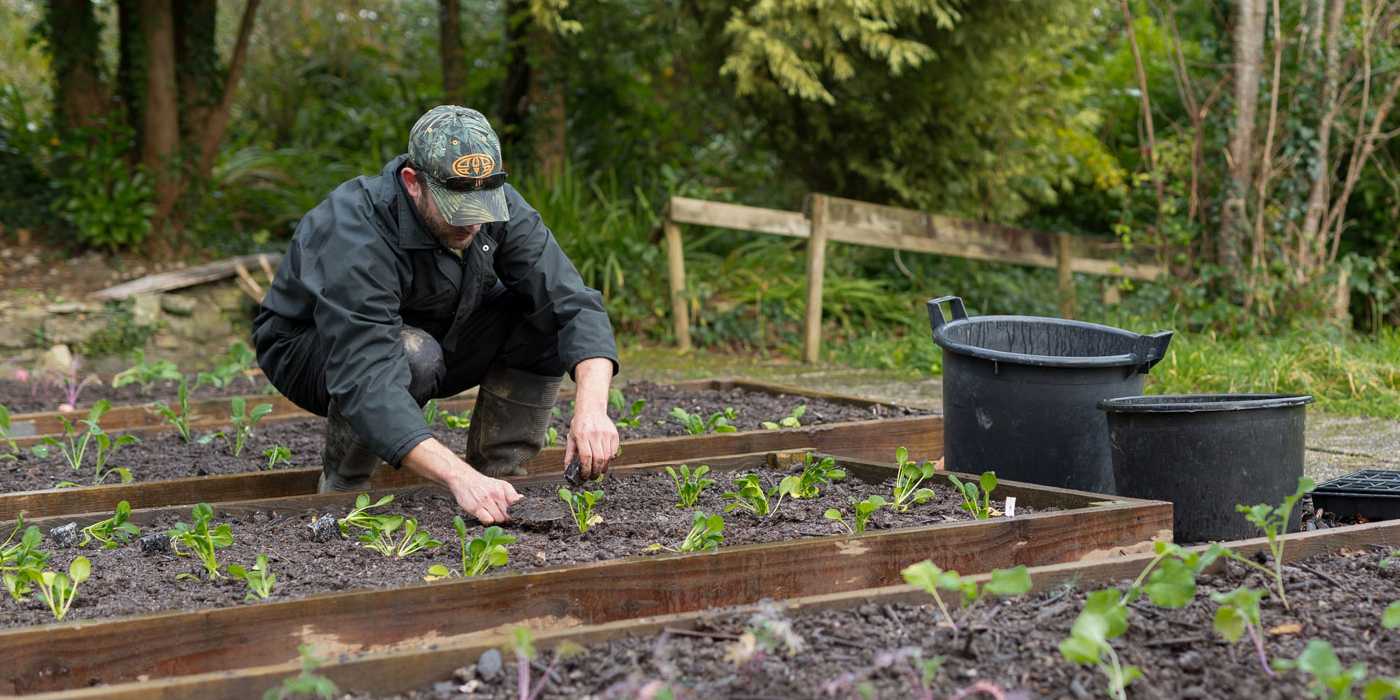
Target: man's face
{"points": [[454, 237]]}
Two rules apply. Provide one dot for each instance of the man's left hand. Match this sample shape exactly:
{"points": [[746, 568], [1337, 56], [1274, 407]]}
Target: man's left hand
{"points": [[593, 439]]}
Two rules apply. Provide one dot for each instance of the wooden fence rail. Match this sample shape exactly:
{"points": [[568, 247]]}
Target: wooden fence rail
{"points": [[828, 218]]}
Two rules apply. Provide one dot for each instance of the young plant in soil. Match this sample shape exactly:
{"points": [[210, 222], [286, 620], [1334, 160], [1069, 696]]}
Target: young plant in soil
{"points": [[67, 383], [862, 512], [633, 417], [457, 421], [978, 504], [1330, 680], [906, 662], [114, 531], [581, 505], [308, 682], [58, 589], [551, 436], [749, 495], [1273, 520], [259, 578], [929, 577], [1239, 613], [179, 420], [695, 424], [523, 647], [1390, 619], [74, 445], [908, 482], [237, 361], [146, 373], [791, 420], [815, 474], [243, 423], [479, 554], [431, 413], [198, 539], [275, 454], [104, 449], [706, 534], [19, 555], [689, 484], [5, 438]]}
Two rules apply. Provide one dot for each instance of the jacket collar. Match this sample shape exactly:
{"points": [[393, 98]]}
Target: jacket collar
{"points": [[394, 198]]}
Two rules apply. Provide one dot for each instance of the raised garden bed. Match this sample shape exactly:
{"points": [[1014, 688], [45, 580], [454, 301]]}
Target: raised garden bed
{"points": [[22, 398], [1063, 526], [1336, 580]]}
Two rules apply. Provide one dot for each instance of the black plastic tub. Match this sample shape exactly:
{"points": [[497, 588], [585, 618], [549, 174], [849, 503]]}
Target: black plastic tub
{"points": [[1207, 454], [1021, 393], [1370, 494]]}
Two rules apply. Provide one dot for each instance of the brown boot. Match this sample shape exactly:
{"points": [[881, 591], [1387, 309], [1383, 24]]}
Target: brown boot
{"points": [[510, 420]]}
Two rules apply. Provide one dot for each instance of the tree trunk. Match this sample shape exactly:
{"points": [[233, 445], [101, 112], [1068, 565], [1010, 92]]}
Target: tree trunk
{"points": [[197, 69], [160, 140], [131, 79], [515, 90], [74, 45], [1248, 55], [454, 61], [1309, 248], [217, 123], [548, 118]]}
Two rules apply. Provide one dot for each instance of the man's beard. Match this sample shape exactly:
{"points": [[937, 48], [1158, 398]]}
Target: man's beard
{"points": [[446, 233]]}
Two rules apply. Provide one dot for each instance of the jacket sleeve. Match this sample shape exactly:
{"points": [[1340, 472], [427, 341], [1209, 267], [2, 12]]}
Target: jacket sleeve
{"points": [[530, 262], [353, 278]]}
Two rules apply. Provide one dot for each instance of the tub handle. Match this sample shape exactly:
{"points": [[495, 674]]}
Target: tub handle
{"points": [[1152, 348], [935, 312]]}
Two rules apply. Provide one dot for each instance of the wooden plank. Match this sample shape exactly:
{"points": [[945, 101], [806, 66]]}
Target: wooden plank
{"points": [[1064, 267], [675, 265], [74, 655], [399, 671], [816, 273], [874, 440], [179, 279], [684, 210]]}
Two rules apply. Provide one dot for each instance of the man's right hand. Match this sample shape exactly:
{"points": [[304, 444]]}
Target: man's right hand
{"points": [[483, 497]]}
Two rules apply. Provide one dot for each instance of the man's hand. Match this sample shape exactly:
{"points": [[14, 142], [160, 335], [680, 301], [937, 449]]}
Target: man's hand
{"points": [[592, 435], [483, 497]]}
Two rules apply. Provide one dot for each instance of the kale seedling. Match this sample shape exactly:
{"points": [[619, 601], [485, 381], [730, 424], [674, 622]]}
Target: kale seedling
{"points": [[16, 556], [863, 511], [105, 449], [815, 473], [929, 577], [551, 436], [237, 361], [57, 588], [907, 482], [479, 554], [1329, 679], [633, 419], [146, 373], [980, 508], [431, 413], [360, 516], [74, 444], [748, 494], [791, 420], [414, 540], [180, 420], [1239, 613], [1274, 522], [689, 484], [275, 454], [706, 532], [694, 424], [114, 531], [243, 423], [457, 421], [581, 506], [201, 541], [5, 438], [308, 682], [259, 578]]}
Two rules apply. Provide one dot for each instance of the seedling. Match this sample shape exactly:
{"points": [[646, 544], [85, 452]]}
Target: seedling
{"points": [[18, 555], [768, 631], [5, 438], [237, 361], [57, 588], [581, 506], [633, 419], [748, 494], [816, 473], [75, 444], [689, 484], [1274, 522], [378, 533], [275, 454], [200, 540], [243, 424], [431, 414], [1103, 618], [929, 577], [104, 449], [908, 489], [695, 424], [1329, 679], [978, 504], [458, 421], [146, 373], [523, 647], [308, 682], [1239, 613], [1390, 619], [706, 532], [551, 436], [791, 420], [112, 532], [181, 419], [863, 511], [66, 381], [259, 578], [414, 540], [360, 516], [479, 554]]}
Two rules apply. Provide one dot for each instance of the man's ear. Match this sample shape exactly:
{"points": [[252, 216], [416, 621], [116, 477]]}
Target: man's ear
{"points": [[411, 181]]}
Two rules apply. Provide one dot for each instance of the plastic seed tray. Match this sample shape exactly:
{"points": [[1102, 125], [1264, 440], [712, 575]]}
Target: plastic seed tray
{"points": [[1370, 494]]}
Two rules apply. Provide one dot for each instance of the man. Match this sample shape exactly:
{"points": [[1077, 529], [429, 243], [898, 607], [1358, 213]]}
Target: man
{"points": [[431, 278]]}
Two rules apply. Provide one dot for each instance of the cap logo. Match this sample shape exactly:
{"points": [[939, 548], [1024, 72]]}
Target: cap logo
{"points": [[474, 165]]}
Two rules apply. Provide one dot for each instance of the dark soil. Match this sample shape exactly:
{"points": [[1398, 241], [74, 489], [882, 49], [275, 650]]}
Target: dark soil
{"points": [[165, 456], [21, 397], [1013, 644], [638, 510]]}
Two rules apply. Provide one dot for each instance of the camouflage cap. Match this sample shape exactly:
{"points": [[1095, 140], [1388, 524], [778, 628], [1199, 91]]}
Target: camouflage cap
{"points": [[459, 153]]}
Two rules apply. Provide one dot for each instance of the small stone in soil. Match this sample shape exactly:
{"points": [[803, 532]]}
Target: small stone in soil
{"points": [[155, 543], [488, 667], [323, 529], [465, 674], [64, 535]]}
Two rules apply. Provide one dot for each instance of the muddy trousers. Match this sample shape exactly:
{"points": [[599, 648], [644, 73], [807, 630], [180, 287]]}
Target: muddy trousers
{"points": [[515, 365]]}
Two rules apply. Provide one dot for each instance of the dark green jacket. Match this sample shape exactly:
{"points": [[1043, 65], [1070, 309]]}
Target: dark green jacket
{"points": [[361, 266]]}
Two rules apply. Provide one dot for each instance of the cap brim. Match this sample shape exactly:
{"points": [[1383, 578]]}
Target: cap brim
{"points": [[464, 208]]}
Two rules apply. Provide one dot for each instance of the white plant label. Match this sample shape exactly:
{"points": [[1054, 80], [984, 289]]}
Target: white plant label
{"points": [[1010, 506]]}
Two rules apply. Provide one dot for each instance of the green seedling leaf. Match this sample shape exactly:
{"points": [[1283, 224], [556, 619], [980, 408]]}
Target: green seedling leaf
{"points": [[689, 485], [1329, 679], [1009, 582], [1172, 584], [1391, 618]]}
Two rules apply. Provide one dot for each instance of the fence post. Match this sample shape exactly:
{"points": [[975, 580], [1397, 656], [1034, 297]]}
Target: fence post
{"points": [[675, 261], [816, 271], [1063, 260]]}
